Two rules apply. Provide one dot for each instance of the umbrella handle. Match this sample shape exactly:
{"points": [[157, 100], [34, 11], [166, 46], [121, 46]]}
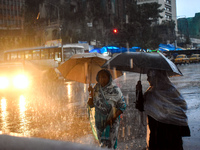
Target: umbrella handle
{"points": [[139, 97], [90, 88]]}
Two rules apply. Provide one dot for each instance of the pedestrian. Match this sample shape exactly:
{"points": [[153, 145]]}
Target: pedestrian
{"points": [[166, 112], [109, 104]]}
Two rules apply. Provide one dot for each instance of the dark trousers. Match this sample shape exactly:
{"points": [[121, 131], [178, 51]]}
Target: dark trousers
{"points": [[164, 136]]}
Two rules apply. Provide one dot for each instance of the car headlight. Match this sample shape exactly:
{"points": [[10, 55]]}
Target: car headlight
{"points": [[20, 81], [4, 82]]}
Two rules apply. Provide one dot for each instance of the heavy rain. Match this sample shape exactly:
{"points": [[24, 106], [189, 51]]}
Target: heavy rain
{"points": [[53, 94], [58, 110]]}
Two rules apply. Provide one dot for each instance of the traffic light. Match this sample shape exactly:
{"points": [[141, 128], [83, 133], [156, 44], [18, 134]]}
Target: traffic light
{"points": [[115, 31]]}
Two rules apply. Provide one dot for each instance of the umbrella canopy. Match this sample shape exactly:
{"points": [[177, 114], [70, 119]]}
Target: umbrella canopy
{"points": [[84, 67], [95, 50], [141, 62], [168, 47]]}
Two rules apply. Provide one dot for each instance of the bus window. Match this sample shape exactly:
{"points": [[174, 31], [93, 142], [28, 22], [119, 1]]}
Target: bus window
{"points": [[28, 55], [68, 52], [51, 54], [13, 56], [36, 54], [20, 56], [79, 50], [44, 53], [58, 54]]}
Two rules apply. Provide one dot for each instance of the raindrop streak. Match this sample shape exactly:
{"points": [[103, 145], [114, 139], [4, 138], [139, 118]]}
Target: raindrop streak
{"points": [[129, 130], [115, 73], [69, 92], [4, 115], [124, 76], [131, 63], [127, 46], [127, 100], [85, 88], [123, 131]]}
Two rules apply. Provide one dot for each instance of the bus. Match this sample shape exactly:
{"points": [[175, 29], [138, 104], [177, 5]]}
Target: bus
{"points": [[44, 57]]}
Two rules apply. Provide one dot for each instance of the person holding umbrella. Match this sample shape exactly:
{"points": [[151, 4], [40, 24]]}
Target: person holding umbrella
{"points": [[164, 105], [109, 104], [165, 108]]}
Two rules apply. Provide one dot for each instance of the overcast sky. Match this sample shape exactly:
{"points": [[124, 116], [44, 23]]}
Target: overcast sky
{"points": [[187, 8]]}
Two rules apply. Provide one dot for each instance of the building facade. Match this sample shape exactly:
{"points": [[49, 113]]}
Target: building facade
{"points": [[86, 26], [190, 28], [11, 15], [169, 7], [11, 22]]}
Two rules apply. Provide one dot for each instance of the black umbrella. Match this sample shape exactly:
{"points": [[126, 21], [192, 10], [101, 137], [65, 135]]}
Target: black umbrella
{"points": [[141, 62]]}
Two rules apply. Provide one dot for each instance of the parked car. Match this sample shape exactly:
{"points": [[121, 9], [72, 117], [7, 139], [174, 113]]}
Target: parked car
{"points": [[182, 59], [194, 58]]}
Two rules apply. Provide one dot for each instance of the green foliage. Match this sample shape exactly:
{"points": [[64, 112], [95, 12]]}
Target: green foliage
{"points": [[139, 30], [166, 31], [187, 41]]}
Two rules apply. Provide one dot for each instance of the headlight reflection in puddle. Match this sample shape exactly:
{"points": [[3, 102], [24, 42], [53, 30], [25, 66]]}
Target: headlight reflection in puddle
{"points": [[4, 115], [22, 116]]}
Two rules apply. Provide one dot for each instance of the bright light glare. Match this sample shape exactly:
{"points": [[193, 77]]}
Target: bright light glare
{"points": [[22, 104], [115, 30], [20, 81], [4, 82]]}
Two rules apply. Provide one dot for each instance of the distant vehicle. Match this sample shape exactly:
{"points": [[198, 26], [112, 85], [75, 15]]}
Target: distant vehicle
{"points": [[194, 58], [44, 57], [39, 59], [181, 59]]}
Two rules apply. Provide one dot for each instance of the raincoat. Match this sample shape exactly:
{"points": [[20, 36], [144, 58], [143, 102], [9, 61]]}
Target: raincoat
{"points": [[166, 111], [164, 103], [106, 101]]}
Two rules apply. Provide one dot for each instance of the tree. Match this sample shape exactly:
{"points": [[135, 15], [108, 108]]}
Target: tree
{"points": [[95, 14], [167, 31], [139, 31]]}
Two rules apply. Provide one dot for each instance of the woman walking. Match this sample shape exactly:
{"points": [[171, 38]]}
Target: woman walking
{"points": [[109, 103]]}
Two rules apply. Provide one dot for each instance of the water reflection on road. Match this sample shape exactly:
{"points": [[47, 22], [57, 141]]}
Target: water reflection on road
{"points": [[4, 115], [53, 111]]}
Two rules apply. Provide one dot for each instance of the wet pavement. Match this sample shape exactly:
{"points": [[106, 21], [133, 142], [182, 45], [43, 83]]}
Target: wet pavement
{"points": [[58, 111], [189, 86]]}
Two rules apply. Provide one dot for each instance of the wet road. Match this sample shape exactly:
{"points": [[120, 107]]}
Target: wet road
{"points": [[58, 111], [189, 86]]}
